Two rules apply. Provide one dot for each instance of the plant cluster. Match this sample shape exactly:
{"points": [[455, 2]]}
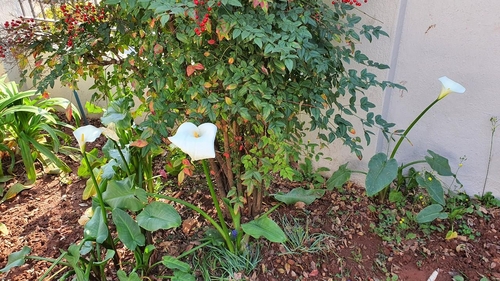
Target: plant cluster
{"points": [[29, 126], [251, 68]]}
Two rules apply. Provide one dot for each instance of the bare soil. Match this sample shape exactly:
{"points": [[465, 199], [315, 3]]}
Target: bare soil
{"points": [[45, 218]]}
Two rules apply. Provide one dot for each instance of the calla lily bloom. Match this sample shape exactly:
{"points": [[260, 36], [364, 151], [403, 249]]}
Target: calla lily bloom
{"points": [[196, 141], [86, 134], [450, 86]]}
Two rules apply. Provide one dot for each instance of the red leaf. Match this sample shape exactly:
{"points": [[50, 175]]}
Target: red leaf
{"points": [[151, 108], [190, 70], [139, 143], [158, 49], [199, 66], [69, 112], [188, 171]]}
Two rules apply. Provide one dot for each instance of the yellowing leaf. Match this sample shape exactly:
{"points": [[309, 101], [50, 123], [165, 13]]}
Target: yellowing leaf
{"points": [[451, 235], [4, 231], [228, 100], [207, 85], [231, 86], [180, 177], [89, 190]]}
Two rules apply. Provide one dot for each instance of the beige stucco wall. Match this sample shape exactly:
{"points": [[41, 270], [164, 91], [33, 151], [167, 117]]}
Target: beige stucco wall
{"points": [[458, 39]]}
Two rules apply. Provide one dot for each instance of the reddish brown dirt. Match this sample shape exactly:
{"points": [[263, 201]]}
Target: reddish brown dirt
{"points": [[45, 219]]}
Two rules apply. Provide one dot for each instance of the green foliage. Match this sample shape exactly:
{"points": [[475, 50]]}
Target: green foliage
{"points": [[252, 70], [217, 263], [300, 195], [16, 259], [300, 240], [381, 172], [266, 227], [29, 124]]}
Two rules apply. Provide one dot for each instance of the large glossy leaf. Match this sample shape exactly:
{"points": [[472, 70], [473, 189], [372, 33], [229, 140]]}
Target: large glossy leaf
{"points": [[431, 213], [122, 194], [264, 226], [16, 259], [433, 187], [439, 164], [159, 215], [381, 172], [300, 195], [339, 177], [95, 228], [129, 231]]}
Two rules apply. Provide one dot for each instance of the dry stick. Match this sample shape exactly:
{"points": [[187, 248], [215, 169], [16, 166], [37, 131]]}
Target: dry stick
{"points": [[494, 126], [237, 151], [229, 175]]}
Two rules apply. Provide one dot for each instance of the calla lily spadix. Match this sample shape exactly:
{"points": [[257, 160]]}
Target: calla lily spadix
{"points": [[86, 134], [450, 86], [196, 141]]}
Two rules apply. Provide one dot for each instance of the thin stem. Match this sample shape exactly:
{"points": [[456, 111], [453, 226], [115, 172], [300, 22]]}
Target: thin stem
{"points": [[410, 127], [122, 156], [116, 259], [493, 129], [214, 197], [98, 190], [412, 163]]}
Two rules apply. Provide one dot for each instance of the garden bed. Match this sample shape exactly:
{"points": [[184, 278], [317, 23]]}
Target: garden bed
{"points": [[340, 242]]}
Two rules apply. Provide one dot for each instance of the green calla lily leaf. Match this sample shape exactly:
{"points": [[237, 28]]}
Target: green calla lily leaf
{"points": [[439, 164], [266, 227], [381, 172], [95, 228], [300, 195], [128, 230], [430, 213], [433, 187], [159, 215], [339, 177], [16, 259]]}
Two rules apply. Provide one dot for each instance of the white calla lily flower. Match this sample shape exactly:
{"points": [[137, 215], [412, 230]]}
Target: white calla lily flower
{"points": [[196, 141], [450, 86], [86, 134]]}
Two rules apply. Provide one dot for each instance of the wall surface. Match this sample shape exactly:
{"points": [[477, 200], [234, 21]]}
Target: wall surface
{"points": [[428, 39]]}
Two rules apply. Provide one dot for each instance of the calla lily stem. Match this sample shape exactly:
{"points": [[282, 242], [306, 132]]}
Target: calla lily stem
{"points": [[103, 208], [410, 127], [215, 200]]}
